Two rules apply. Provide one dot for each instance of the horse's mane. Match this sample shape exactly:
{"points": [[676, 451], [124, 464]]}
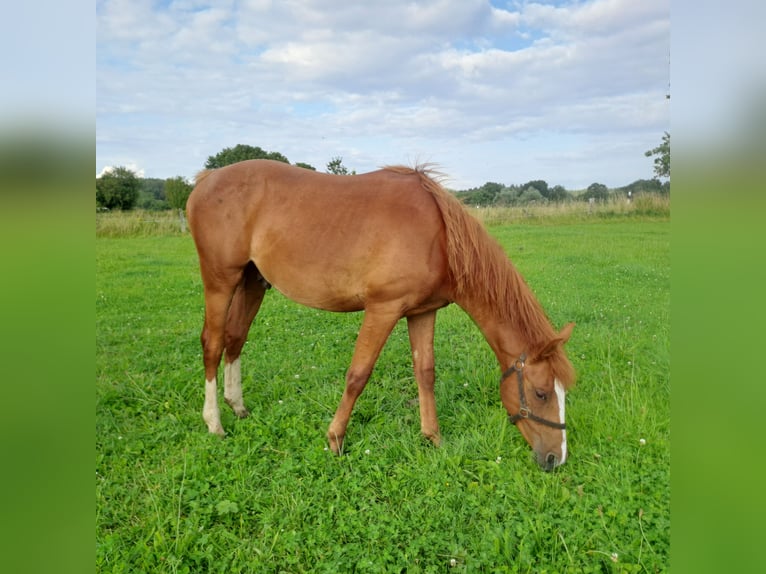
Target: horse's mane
{"points": [[481, 270], [202, 175]]}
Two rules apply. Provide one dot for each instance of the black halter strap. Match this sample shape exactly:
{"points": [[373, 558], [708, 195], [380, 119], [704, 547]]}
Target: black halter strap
{"points": [[524, 411]]}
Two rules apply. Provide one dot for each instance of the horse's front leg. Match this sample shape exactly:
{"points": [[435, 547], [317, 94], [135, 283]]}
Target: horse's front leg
{"points": [[421, 330], [376, 327]]}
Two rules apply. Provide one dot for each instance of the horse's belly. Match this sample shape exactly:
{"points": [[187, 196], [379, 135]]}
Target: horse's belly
{"points": [[350, 284], [349, 267]]}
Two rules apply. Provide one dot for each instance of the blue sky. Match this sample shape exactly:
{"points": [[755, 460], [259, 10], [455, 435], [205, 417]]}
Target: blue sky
{"points": [[569, 92]]}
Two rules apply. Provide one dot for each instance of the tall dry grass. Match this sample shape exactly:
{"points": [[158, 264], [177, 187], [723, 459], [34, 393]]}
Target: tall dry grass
{"points": [[643, 205], [140, 223], [137, 223]]}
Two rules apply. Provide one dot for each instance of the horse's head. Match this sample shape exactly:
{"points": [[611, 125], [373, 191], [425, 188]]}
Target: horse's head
{"points": [[533, 391]]}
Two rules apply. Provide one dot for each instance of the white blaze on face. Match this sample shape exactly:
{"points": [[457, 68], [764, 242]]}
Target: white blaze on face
{"points": [[561, 397]]}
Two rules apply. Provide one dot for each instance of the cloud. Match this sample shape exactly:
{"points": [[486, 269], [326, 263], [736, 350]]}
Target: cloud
{"points": [[181, 80], [131, 166]]}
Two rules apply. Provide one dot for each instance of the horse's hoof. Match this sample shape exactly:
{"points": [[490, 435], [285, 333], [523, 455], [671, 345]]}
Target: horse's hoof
{"points": [[435, 439], [336, 444], [238, 408]]}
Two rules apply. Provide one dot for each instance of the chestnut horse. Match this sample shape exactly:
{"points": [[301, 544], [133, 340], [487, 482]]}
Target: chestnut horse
{"points": [[392, 243]]}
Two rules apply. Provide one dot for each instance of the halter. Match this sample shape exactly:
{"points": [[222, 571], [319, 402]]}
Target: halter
{"points": [[524, 411]]}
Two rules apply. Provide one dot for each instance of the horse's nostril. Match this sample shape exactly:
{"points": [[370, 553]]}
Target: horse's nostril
{"points": [[551, 460]]}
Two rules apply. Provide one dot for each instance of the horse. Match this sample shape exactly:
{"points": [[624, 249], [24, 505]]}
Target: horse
{"points": [[392, 243]]}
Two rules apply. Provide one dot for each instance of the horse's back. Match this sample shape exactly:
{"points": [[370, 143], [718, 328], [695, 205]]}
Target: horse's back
{"points": [[333, 242]]}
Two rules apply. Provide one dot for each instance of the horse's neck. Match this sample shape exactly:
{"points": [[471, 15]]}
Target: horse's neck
{"points": [[506, 342], [499, 301]]}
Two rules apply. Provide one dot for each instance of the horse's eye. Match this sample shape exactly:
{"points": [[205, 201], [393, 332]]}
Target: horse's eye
{"points": [[540, 394]]}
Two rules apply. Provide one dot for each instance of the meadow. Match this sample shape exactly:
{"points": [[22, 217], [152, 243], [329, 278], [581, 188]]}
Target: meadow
{"points": [[270, 497]]}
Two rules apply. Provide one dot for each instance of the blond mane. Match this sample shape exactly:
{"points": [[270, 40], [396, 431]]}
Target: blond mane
{"points": [[202, 175]]}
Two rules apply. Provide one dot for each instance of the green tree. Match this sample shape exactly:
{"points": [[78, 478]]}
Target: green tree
{"points": [[305, 166], [643, 186], [487, 194], [151, 194], [241, 152], [662, 161], [558, 193], [117, 189], [177, 191], [597, 191], [529, 194], [335, 165], [539, 184], [505, 197]]}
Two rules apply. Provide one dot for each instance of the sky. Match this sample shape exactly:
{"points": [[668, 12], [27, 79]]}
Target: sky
{"points": [[572, 92]]}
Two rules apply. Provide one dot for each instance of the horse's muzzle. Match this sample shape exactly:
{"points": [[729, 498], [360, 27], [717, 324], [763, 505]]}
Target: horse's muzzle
{"points": [[548, 462]]}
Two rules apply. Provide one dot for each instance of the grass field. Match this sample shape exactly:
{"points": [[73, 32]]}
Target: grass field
{"points": [[270, 497]]}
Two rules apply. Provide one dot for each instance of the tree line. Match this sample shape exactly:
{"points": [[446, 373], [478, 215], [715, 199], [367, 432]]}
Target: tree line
{"points": [[538, 191], [121, 188]]}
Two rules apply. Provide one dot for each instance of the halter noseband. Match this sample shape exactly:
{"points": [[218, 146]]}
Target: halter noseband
{"points": [[524, 411]]}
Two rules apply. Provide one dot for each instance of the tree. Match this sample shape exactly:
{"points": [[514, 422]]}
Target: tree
{"points": [[539, 184], [505, 197], [151, 193], [643, 186], [530, 194], [177, 191], [117, 189], [662, 161], [596, 191], [335, 165], [558, 193], [487, 194], [305, 166], [241, 152]]}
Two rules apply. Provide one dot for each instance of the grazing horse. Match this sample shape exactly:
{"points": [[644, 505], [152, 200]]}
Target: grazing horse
{"points": [[392, 243]]}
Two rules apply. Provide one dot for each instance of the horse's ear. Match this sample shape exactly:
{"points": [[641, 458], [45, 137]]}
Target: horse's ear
{"points": [[553, 344], [566, 332]]}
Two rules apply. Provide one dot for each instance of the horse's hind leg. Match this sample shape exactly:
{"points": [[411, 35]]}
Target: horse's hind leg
{"points": [[217, 301], [243, 309]]}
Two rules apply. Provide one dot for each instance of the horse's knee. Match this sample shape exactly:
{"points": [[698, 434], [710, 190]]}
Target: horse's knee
{"points": [[356, 380], [210, 343]]}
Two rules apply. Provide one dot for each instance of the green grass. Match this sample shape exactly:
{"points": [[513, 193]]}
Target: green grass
{"points": [[270, 497]]}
